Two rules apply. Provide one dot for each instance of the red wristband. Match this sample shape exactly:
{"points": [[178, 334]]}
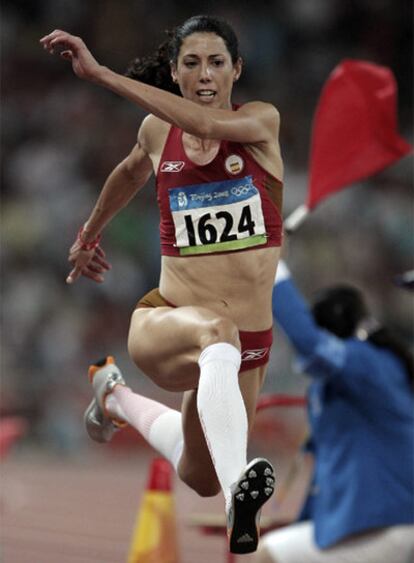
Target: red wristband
{"points": [[91, 245]]}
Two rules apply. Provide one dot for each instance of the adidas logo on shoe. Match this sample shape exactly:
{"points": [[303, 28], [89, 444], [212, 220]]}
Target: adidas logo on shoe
{"points": [[245, 538]]}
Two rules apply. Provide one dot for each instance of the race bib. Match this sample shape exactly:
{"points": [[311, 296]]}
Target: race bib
{"points": [[217, 217]]}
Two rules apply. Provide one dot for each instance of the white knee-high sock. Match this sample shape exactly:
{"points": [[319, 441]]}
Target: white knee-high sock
{"points": [[158, 424], [222, 412]]}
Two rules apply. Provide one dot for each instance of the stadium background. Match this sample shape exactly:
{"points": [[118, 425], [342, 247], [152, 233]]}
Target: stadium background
{"points": [[60, 139]]}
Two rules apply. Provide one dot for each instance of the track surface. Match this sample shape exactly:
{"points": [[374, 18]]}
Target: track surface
{"points": [[83, 510]]}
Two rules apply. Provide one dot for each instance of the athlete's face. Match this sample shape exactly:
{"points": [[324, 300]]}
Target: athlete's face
{"points": [[204, 71]]}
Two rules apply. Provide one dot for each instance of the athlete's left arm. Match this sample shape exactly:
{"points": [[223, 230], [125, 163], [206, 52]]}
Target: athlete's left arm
{"points": [[255, 122]]}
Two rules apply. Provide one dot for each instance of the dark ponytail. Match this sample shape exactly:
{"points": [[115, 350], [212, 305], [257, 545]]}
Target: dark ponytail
{"points": [[385, 338], [155, 69]]}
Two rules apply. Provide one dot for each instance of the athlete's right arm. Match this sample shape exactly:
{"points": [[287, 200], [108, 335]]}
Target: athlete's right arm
{"points": [[120, 187]]}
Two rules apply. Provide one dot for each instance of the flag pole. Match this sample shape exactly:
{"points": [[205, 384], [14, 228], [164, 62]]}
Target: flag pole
{"points": [[296, 218]]}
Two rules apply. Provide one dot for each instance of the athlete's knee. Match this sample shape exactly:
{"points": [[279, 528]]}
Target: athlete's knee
{"points": [[202, 483], [219, 329]]}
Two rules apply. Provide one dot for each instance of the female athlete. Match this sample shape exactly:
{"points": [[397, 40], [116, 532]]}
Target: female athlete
{"points": [[207, 330]]}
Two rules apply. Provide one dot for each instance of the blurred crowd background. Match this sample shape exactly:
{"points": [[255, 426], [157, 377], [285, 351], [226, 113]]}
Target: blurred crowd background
{"points": [[61, 137]]}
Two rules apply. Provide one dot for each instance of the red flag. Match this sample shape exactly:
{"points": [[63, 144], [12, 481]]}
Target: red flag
{"points": [[355, 128]]}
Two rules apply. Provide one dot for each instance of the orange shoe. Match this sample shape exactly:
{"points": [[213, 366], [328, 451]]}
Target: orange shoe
{"points": [[103, 375]]}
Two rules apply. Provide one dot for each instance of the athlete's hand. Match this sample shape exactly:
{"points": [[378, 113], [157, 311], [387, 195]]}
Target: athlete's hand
{"points": [[89, 263], [73, 49]]}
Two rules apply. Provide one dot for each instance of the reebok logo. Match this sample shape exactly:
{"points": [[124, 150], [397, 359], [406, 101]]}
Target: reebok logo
{"points": [[245, 538], [172, 166], [258, 354]]}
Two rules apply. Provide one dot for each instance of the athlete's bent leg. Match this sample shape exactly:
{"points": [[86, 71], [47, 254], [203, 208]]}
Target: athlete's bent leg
{"points": [[191, 347], [196, 468]]}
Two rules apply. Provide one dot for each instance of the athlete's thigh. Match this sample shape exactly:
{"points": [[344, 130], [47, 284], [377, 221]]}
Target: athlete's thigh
{"points": [[166, 342]]}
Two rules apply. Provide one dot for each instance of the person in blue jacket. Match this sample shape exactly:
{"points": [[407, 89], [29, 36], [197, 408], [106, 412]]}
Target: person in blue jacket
{"points": [[360, 505]]}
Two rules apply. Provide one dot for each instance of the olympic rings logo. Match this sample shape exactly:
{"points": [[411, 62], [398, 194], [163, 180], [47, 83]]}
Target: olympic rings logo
{"points": [[241, 190]]}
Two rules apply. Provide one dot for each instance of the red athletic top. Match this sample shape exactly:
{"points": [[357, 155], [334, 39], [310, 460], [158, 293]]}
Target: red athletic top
{"points": [[230, 204]]}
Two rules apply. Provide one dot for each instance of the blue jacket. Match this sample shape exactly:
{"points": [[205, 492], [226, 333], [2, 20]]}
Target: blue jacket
{"points": [[361, 415]]}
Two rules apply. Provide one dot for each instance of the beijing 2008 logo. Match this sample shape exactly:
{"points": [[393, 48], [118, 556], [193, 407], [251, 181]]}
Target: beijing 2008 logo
{"points": [[182, 199], [234, 164]]}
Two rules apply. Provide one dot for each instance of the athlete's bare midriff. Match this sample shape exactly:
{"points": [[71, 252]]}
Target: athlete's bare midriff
{"points": [[237, 285]]}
